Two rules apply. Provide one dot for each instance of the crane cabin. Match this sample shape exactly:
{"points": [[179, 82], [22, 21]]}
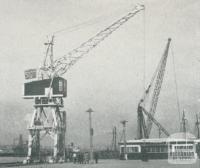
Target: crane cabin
{"points": [[56, 87]]}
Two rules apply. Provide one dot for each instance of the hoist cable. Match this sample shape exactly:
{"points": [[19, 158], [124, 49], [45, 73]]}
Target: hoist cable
{"points": [[176, 84], [144, 50], [89, 22]]}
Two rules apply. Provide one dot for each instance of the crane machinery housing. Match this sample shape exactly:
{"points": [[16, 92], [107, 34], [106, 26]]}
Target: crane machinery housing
{"points": [[48, 90]]}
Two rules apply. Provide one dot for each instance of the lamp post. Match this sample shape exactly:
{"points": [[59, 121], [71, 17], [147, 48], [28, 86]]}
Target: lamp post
{"points": [[124, 134], [91, 134]]}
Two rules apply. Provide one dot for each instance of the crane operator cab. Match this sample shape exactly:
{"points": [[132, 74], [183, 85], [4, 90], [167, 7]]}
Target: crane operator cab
{"points": [[43, 90]]}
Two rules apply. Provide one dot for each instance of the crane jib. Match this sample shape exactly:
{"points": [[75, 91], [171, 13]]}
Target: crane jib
{"points": [[62, 64], [145, 130]]}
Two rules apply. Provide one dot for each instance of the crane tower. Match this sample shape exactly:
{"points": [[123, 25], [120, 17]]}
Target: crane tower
{"points": [[48, 117], [48, 88]]}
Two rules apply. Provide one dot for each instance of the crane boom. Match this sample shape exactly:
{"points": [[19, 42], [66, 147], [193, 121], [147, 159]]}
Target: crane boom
{"points": [[62, 64], [158, 84], [144, 129], [155, 122]]}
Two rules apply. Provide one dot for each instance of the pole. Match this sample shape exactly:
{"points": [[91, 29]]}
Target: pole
{"points": [[91, 135], [115, 139], [124, 133], [197, 125]]}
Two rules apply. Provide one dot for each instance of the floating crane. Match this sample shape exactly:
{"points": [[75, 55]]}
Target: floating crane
{"points": [[144, 127], [49, 89]]}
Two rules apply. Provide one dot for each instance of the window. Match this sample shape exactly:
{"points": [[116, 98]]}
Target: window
{"points": [[122, 149], [157, 149], [60, 85], [162, 149], [131, 149]]}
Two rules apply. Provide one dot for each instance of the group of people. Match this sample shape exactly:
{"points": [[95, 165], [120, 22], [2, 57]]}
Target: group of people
{"points": [[83, 158]]}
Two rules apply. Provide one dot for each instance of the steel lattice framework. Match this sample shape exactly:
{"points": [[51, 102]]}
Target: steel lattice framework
{"points": [[63, 64], [144, 127]]}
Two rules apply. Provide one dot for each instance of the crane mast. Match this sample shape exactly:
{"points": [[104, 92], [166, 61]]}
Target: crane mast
{"points": [[144, 127]]}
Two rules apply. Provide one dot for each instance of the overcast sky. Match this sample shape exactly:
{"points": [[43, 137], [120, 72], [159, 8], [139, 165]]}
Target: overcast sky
{"points": [[110, 79]]}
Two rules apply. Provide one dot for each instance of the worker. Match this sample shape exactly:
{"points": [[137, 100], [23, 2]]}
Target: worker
{"points": [[81, 158], [96, 157], [74, 157], [86, 158]]}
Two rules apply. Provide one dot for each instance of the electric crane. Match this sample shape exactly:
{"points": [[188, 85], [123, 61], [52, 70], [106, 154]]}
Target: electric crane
{"points": [[49, 89], [144, 127]]}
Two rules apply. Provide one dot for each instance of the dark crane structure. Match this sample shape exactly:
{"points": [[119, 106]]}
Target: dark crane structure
{"points": [[184, 123], [144, 126], [48, 90], [197, 126]]}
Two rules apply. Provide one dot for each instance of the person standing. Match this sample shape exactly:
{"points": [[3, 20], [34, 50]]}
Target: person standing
{"points": [[96, 157], [74, 157], [86, 158]]}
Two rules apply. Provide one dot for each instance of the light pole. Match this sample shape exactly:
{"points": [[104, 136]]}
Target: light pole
{"points": [[124, 133], [91, 134]]}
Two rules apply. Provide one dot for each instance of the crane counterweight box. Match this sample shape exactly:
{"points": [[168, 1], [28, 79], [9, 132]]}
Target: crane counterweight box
{"points": [[41, 88]]}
